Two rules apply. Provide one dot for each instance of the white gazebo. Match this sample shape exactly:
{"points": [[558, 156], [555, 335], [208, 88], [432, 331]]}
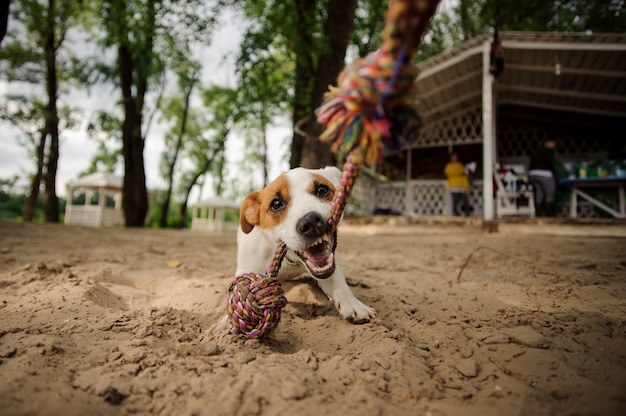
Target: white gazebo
{"points": [[210, 215], [102, 205]]}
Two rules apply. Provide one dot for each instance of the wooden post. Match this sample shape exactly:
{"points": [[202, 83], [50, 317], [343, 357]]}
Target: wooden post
{"points": [[488, 135]]}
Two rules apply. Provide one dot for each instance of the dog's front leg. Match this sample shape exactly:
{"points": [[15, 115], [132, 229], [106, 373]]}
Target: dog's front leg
{"points": [[352, 309]]}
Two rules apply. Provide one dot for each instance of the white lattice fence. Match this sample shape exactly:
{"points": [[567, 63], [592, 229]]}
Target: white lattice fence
{"points": [[428, 197], [391, 197], [476, 197], [363, 199], [421, 197], [459, 128]]}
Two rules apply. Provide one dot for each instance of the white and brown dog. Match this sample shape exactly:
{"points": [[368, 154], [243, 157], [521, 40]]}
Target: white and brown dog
{"points": [[294, 209]]}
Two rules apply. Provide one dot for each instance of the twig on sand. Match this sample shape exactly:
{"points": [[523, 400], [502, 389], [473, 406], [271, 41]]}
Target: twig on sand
{"points": [[467, 260]]}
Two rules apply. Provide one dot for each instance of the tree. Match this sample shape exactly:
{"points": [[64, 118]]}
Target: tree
{"points": [[106, 128], [144, 33], [4, 17], [466, 12], [443, 33], [369, 22], [205, 153], [136, 64], [207, 143], [541, 15], [308, 151], [26, 115], [31, 59], [262, 93], [188, 77], [314, 35]]}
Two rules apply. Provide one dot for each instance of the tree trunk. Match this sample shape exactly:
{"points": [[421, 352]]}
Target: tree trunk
{"points": [[304, 75], [465, 19], [134, 76], [182, 213], [31, 202], [266, 173], [264, 149], [4, 18], [219, 171], [135, 195], [50, 198], [337, 31], [170, 174]]}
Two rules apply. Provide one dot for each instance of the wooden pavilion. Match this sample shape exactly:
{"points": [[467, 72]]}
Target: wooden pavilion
{"points": [[571, 86], [95, 200]]}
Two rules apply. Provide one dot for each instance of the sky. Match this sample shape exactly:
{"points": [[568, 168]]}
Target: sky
{"points": [[77, 149]]}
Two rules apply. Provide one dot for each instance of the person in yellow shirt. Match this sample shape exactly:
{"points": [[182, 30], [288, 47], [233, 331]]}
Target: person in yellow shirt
{"points": [[458, 186]]}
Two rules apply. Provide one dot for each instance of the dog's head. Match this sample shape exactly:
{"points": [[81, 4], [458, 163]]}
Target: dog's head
{"points": [[294, 209]]}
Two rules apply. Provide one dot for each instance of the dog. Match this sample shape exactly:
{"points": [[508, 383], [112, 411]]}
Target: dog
{"points": [[294, 209]]}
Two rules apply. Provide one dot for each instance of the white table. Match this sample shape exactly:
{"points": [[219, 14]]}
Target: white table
{"points": [[614, 182]]}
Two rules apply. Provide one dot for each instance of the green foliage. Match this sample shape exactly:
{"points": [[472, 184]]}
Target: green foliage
{"points": [[201, 144], [263, 90], [442, 34], [368, 25], [106, 129], [156, 32], [23, 60], [36, 61], [23, 51], [470, 18], [179, 110], [157, 199], [266, 72], [12, 204], [556, 15], [148, 36]]}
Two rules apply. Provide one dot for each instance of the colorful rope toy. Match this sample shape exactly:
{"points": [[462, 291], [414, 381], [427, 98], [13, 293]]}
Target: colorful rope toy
{"points": [[367, 112], [255, 301]]}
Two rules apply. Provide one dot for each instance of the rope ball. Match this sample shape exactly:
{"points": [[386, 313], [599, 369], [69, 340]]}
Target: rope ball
{"points": [[255, 302]]}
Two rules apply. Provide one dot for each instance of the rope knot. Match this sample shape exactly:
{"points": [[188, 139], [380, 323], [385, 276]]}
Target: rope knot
{"points": [[254, 304]]}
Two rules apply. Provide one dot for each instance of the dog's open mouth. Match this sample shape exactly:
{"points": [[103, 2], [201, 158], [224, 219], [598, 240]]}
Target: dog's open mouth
{"points": [[319, 258]]}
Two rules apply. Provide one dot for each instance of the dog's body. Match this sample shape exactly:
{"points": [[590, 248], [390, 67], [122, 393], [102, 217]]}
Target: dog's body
{"points": [[294, 209]]}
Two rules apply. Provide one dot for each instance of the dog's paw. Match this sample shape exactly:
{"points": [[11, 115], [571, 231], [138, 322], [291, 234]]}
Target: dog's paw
{"points": [[353, 310]]}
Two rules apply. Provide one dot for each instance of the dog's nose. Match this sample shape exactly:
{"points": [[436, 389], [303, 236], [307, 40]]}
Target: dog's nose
{"points": [[312, 225]]}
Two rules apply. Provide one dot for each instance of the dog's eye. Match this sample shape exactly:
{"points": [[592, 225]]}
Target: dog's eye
{"points": [[322, 191], [276, 205]]}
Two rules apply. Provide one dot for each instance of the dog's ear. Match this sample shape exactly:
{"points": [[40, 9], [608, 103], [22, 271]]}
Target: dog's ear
{"points": [[332, 173], [249, 213]]}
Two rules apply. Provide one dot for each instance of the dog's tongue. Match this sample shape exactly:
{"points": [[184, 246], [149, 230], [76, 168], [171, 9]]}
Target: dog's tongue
{"points": [[317, 253], [319, 259]]}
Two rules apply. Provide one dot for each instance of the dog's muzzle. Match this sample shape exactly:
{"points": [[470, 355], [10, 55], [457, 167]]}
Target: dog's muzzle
{"points": [[319, 257]]}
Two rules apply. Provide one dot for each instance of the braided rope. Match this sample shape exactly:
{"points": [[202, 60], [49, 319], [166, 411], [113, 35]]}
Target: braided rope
{"points": [[348, 179], [367, 112], [369, 109]]}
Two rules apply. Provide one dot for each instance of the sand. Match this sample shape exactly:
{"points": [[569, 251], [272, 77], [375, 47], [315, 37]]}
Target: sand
{"points": [[114, 321]]}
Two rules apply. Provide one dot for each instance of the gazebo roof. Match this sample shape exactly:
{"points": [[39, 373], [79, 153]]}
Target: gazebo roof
{"points": [[98, 180], [575, 73], [217, 202]]}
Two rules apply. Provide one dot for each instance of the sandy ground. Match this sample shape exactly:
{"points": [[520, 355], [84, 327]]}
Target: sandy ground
{"points": [[113, 321]]}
